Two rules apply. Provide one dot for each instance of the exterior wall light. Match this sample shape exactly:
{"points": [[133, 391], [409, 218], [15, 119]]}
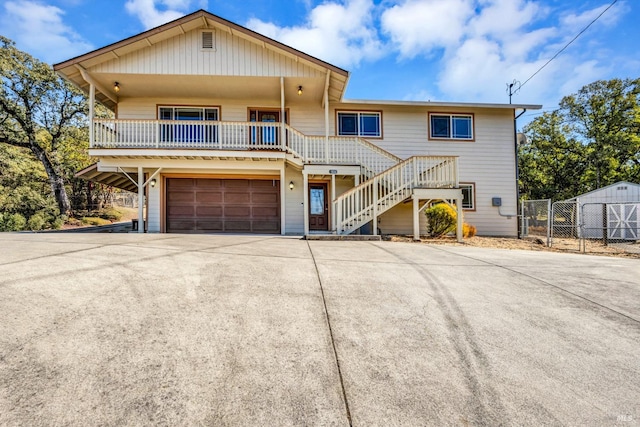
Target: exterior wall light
{"points": [[152, 183], [291, 185], [116, 87], [299, 90]]}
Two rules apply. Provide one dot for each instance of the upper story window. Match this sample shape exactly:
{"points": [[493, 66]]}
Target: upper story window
{"points": [[367, 124], [189, 132], [188, 113], [451, 126]]}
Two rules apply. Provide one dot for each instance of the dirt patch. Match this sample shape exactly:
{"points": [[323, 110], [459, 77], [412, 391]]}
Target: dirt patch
{"points": [[527, 243]]}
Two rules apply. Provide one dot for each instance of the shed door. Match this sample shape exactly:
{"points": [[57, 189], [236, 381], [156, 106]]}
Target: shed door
{"points": [[202, 205], [623, 221]]}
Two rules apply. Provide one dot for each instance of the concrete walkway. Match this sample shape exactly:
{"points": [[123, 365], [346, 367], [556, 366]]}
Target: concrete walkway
{"points": [[128, 329]]}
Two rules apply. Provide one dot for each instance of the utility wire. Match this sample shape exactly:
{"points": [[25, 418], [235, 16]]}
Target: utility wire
{"points": [[571, 41]]}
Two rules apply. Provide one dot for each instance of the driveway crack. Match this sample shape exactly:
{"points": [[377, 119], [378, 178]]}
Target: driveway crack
{"points": [[333, 342]]}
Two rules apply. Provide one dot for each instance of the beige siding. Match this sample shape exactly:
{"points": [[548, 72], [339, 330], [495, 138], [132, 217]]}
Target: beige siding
{"points": [[489, 161], [233, 56], [153, 216], [293, 202]]}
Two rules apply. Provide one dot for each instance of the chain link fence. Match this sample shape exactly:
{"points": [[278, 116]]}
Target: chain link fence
{"points": [[610, 227], [590, 227], [535, 219], [565, 226]]}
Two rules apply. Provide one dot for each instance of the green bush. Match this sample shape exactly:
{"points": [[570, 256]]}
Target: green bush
{"points": [[111, 214], [441, 219], [12, 222], [37, 221]]}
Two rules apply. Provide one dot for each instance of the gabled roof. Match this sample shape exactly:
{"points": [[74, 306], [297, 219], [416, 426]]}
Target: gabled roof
{"points": [[597, 190], [198, 19], [75, 69]]}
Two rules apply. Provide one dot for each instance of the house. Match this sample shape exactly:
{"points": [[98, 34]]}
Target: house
{"points": [[614, 208], [221, 129]]}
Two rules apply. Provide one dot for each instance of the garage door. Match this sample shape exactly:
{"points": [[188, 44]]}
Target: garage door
{"points": [[196, 205]]}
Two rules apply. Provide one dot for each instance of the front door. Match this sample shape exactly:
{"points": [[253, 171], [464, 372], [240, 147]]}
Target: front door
{"points": [[268, 134], [318, 207]]}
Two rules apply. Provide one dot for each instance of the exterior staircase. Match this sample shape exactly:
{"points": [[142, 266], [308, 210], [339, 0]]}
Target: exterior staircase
{"points": [[373, 197]]}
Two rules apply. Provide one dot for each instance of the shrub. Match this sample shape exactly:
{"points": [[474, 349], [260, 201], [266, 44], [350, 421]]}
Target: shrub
{"points": [[110, 214], [12, 222], [441, 219], [468, 230], [89, 220], [37, 221]]}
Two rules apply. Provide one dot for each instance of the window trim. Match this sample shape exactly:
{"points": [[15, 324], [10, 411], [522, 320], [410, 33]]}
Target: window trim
{"points": [[451, 115], [358, 112], [203, 107], [473, 195], [213, 40]]}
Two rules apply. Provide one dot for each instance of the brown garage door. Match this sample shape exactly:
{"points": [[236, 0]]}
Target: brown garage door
{"points": [[197, 205]]}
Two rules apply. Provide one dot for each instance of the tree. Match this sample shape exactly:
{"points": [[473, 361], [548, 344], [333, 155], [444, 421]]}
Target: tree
{"points": [[551, 162], [592, 140], [38, 111], [606, 116]]}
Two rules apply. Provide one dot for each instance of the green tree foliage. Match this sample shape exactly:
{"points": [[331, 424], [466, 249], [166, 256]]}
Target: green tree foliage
{"points": [[552, 162], [39, 112], [25, 203], [592, 140]]}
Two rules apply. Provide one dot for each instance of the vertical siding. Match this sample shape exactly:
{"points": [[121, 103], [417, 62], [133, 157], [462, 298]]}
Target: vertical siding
{"points": [[182, 55]]}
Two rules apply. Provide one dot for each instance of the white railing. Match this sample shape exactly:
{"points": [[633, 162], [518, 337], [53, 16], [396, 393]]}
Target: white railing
{"points": [[373, 197], [186, 134], [162, 134]]}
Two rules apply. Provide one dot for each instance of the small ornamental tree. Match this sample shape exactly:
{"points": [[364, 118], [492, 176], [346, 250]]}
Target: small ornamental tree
{"points": [[441, 219]]}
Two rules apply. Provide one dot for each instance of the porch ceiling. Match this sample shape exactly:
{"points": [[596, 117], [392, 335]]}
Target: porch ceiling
{"points": [[213, 87]]}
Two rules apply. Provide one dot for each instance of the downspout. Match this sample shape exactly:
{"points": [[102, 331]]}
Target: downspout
{"points": [[515, 146]]}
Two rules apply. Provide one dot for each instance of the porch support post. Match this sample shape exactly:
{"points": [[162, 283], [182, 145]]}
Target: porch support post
{"points": [[283, 143], [92, 103], [460, 219], [326, 116], [305, 201], [416, 217], [333, 197], [283, 204], [375, 206], [140, 199]]}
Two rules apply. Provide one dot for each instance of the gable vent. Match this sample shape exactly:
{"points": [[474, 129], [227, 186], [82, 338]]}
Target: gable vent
{"points": [[207, 40]]}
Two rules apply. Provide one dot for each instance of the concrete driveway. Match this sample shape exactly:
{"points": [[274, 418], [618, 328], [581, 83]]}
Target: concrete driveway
{"points": [[128, 329]]}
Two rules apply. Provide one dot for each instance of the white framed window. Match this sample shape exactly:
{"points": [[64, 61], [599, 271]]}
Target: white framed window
{"points": [[188, 132], [451, 126], [468, 196], [367, 124]]}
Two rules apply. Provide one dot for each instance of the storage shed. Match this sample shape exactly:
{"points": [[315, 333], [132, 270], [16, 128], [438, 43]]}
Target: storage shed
{"points": [[614, 208]]}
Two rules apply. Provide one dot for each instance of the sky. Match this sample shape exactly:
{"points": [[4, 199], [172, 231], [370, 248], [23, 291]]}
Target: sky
{"points": [[415, 50]]}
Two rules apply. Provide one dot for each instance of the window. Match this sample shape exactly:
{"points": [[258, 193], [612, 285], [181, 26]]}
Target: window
{"points": [[468, 196], [451, 126], [189, 132], [365, 124]]}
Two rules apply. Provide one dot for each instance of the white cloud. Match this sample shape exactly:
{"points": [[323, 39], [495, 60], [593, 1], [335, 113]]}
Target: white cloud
{"points": [[153, 13], [577, 21], [39, 30], [419, 26], [342, 34]]}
